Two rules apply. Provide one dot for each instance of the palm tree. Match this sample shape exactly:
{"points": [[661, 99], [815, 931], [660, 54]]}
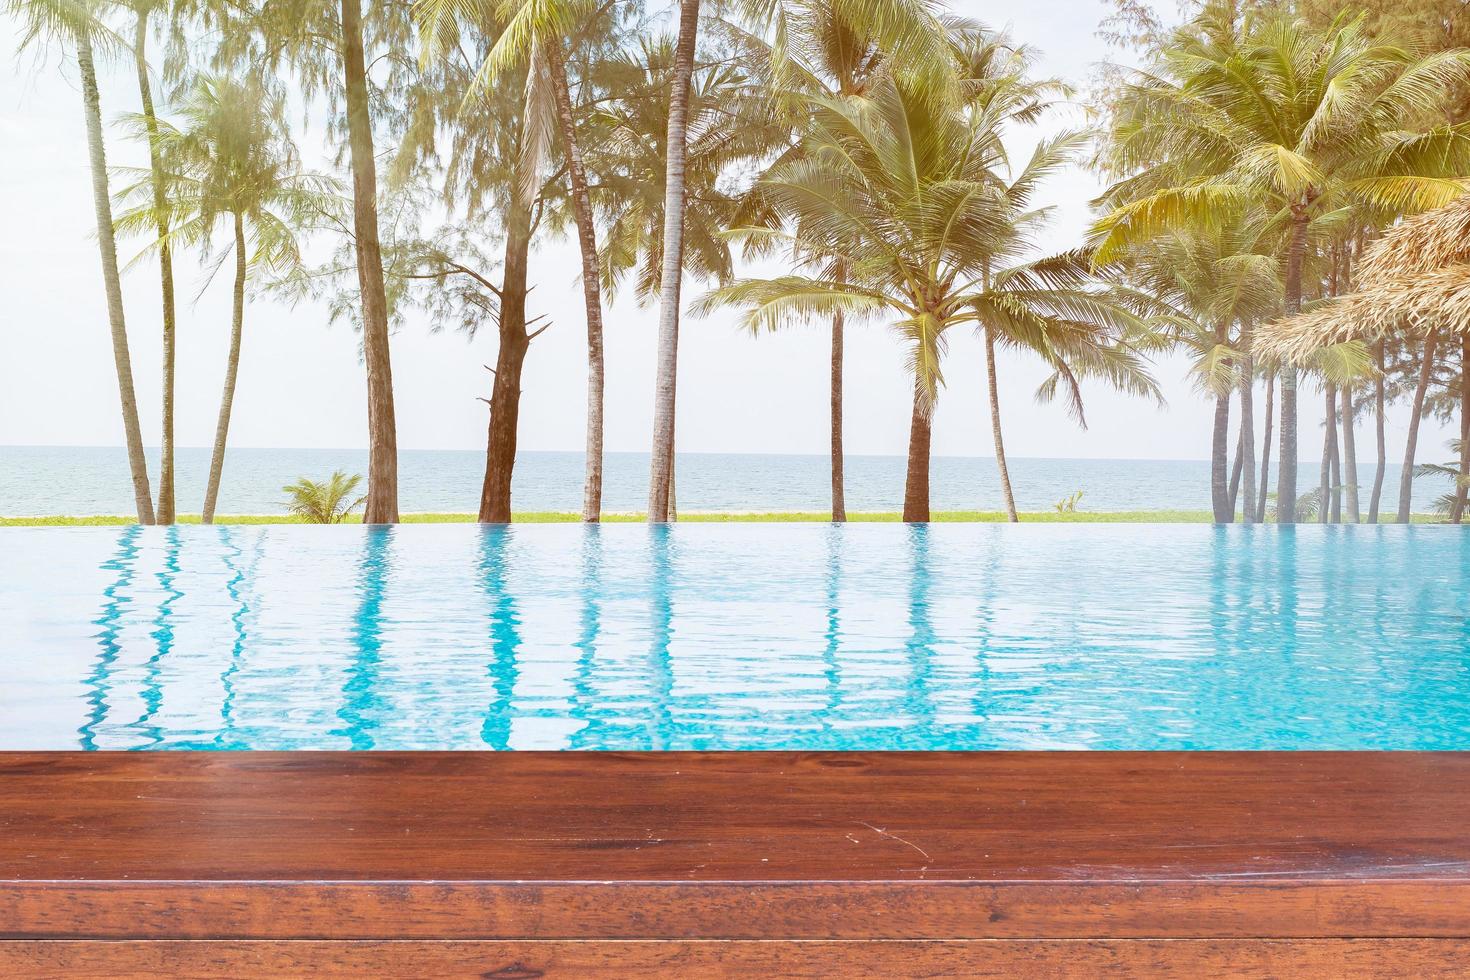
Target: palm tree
{"points": [[324, 41], [1053, 307], [540, 33], [1216, 283], [676, 145], [1264, 111], [382, 495], [143, 11], [726, 121], [76, 24], [837, 48], [326, 502], [900, 187], [231, 162]]}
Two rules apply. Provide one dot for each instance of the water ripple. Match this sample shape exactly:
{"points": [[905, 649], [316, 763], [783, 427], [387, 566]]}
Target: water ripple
{"points": [[736, 636]]}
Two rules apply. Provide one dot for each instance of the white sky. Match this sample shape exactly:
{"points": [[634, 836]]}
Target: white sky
{"points": [[301, 385]]}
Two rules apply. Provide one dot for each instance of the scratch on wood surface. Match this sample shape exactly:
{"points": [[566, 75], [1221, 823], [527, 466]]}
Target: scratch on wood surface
{"points": [[883, 833]]}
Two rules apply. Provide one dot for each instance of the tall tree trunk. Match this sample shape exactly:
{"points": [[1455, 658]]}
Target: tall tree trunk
{"points": [[995, 429], [1379, 411], [1329, 436], [591, 286], [1235, 470], [1350, 454], [1266, 448], [505, 394], [839, 497], [382, 494], [1334, 456], [1220, 450], [166, 508], [1286, 482], [112, 282], [916, 482], [661, 459], [232, 370], [1457, 511], [1248, 428], [1406, 480], [1220, 462]]}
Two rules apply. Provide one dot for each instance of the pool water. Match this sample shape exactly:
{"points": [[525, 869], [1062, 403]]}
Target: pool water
{"points": [[735, 636]]}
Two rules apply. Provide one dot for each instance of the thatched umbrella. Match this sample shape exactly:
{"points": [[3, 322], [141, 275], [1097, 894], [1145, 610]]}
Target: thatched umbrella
{"points": [[1437, 299], [1416, 278], [1424, 243]]}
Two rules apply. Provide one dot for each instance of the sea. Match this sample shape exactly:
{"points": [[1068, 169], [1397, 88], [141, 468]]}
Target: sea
{"points": [[76, 481]]}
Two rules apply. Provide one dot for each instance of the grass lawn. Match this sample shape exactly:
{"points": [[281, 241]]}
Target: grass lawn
{"points": [[567, 517]]}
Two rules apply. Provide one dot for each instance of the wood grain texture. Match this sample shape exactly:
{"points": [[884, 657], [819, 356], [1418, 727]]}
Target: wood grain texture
{"points": [[734, 845], [1300, 959]]}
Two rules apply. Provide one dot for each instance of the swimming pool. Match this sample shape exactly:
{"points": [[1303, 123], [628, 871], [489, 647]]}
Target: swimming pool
{"points": [[735, 636]]}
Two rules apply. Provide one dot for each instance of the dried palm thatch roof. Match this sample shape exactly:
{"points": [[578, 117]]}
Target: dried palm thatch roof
{"points": [[1416, 277], [1420, 244], [1438, 299]]}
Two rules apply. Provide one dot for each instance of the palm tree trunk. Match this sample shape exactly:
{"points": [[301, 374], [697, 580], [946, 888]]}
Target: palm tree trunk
{"points": [[1457, 511], [166, 509], [661, 459], [1235, 469], [1266, 448], [1220, 462], [995, 430], [916, 482], [591, 286], [1248, 429], [1334, 455], [839, 497], [232, 370], [382, 494], [1379, 407], [1329, 438], [1350, 455], [505, 394], [1406, 480], [1286, 482], [112, 282]]}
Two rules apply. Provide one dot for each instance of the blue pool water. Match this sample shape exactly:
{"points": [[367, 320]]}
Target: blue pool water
{"points": [[708, 636]]}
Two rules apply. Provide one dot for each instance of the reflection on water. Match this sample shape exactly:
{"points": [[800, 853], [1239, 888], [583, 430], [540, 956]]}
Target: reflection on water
{"points": [[109, 636], [736, 636]]}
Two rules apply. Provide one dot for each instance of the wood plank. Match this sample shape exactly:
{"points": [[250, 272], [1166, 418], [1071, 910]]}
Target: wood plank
{"points": [[734, 910], [1302, 959], [734, 845]]}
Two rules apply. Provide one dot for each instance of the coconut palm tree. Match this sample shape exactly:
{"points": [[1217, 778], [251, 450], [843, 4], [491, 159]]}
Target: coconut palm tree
{"points": [[328, 43], [1018, 292], [671, 273], [1264, 111], [900, 187], [76, 25], [837, 48], [1216, 283], [726, 122], [325, 502], [143, 11], [230, 163]]}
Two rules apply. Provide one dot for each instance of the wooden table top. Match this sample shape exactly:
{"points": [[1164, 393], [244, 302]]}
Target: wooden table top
{"points": [[915, 827], [732, 816]]}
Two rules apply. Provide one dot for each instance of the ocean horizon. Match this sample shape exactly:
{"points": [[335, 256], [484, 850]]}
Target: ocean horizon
{"points": [[44, 481]]}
